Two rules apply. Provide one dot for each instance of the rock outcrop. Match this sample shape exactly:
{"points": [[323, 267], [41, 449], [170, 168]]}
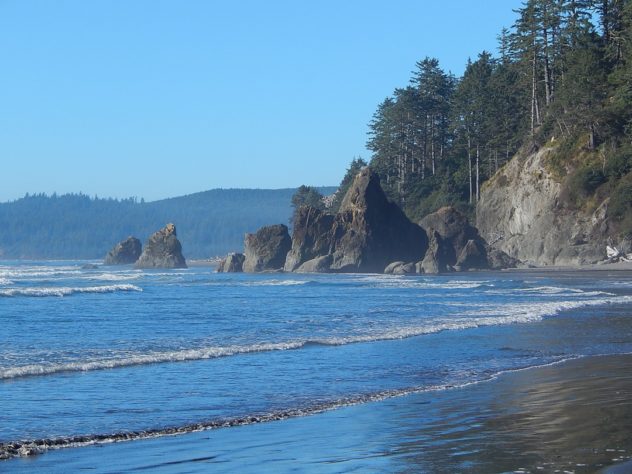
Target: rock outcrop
{"points": [[400, 268], [437, 258], [125, 252], [520, 212], [455, 244], [232, 263], [368, 233], [311, 239], [162, 250], [316, 265], [267, 249]]}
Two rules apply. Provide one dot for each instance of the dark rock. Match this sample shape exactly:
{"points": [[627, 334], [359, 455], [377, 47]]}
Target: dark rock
{"points": [[370, 232], [316, 265], [162, 250], [390, 268], [437, 258], [497, 259], [124, 253], [233, 263], [454, 230], [311, 237], [472, 256], [453, 234], [366, 235], [400, 268], [267, 249], [89, 266]]}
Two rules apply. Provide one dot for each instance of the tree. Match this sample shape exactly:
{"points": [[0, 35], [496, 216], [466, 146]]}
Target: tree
{"points": [[307, 196], [474, 106]]}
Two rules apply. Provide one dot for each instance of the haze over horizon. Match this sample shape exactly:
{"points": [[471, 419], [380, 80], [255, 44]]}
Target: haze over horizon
{"points": [[156, 99]]}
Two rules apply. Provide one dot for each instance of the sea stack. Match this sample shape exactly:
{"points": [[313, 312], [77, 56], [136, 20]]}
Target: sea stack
{"points": [[266, 250], [125, 252], [367, 235], [232, 263], [162, 250]]}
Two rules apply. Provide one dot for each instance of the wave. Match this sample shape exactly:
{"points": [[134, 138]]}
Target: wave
{"points": [[144, 359], [554, 290], [113, 276], [64, 290], [38, 271], [515, 314], [5, 281], [277, 283], [24, 448], [401, 281]]}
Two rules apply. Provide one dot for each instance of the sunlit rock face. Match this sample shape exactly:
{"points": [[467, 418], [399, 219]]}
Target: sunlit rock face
{"points": [[162, 250]]}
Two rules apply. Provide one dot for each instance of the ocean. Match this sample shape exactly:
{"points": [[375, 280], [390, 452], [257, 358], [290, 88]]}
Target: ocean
{"points": [[92, 356]]}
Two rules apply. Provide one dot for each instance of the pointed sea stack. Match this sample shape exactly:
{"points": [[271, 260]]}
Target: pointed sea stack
{"points": [[370, 232], [367, 235], [162, 250], [125, 252]]}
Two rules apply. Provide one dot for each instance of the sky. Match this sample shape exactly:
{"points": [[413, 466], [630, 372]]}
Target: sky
{"points": [[155, 99]]}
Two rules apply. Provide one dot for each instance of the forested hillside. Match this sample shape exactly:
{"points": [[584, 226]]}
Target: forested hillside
{"points": [[77, 226], [562, 77]]}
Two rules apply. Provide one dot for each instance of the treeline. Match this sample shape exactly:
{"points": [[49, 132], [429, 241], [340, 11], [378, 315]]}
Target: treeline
{"points": [[69, 226], [563, 74]]}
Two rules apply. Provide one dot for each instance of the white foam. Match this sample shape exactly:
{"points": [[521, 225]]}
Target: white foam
{"points": [[402, 281], [526, 312], [28, 272], [64, 290], [5, 281], [495, 316], [113, 276], [276, 283], [144, 359]]}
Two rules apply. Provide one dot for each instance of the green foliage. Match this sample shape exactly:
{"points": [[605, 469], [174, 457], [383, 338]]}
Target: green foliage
{"points": [[564, 77], [620, 206], [307, 196], [619, 163], [583, 182]]}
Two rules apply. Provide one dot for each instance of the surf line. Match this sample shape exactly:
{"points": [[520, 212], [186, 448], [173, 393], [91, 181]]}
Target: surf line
{"points": [[25, 448]]}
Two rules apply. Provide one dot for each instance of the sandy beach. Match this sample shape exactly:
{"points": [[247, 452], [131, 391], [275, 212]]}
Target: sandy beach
{"points": [[569, 417]]}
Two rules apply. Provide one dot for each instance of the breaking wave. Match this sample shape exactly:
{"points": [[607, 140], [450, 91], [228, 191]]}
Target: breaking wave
{"points": [[64, 290], [514, 314]]}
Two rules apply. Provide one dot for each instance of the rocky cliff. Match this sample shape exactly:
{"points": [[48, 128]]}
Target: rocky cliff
{"points": [[521, 211]]}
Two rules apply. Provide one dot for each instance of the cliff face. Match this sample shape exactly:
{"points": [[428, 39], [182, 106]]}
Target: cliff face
{"points": [[521, 213]]}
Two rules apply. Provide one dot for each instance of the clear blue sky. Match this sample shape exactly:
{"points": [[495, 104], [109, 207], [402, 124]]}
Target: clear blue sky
{"points": [[155, 98]]}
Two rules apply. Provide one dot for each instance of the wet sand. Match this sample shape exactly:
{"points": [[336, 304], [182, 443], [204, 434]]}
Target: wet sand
{"points": [[571, 417]]}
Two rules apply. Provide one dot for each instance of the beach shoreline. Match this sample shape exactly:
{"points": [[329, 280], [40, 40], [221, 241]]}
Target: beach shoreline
{"points": [[572, 416]]}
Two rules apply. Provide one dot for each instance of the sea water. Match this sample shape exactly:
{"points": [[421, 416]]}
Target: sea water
{"points": [[113, 353]]}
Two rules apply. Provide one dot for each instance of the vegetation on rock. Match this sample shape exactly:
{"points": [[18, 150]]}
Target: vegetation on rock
{"points": [[562, 78]]}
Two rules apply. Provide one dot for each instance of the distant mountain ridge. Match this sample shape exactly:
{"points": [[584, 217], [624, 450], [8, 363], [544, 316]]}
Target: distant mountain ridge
{"points": [[209, 223]]}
